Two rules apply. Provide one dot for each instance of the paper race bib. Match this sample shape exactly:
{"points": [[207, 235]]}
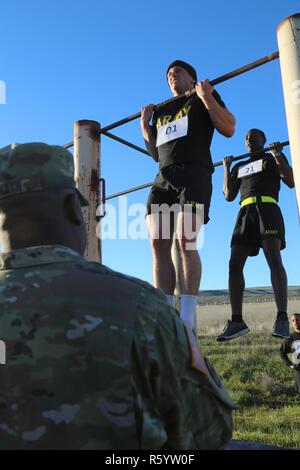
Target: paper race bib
{"points": [[171, 131], [250, 169]]}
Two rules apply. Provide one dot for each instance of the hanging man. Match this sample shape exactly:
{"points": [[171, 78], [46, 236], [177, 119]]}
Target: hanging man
{"points": [[179, 139], [259, 225]]}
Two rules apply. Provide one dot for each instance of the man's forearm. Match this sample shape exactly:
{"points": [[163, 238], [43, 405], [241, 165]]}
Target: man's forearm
{"points": [[229, 189], [225, 184], [150, 141], [285, 171], [221, 118], [284, 350]]}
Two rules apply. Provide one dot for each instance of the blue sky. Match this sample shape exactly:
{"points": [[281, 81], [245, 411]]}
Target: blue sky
{"points": [[69, 60]]}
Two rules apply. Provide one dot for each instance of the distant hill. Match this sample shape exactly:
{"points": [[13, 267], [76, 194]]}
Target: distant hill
{"points": [[252, 295]]}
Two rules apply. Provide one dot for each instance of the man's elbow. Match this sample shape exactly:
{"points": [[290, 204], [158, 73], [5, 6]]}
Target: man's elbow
{"points": [[154, 155], [290, 182], [228, 130], [231, 127], [228, 196]]}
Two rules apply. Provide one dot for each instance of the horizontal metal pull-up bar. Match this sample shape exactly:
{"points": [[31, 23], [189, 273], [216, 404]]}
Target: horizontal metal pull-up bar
{"points": [[127, 191], [118, 139], [69, 145], [220, 79], [125, 142], [239, 157], [250, 154]]}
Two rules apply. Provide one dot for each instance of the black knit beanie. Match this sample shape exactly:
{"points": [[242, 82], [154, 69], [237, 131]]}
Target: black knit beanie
{"points": [[185, 66]]}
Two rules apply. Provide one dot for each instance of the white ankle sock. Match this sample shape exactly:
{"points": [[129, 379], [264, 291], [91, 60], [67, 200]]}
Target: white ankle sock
{"points": [[188, 305], [170, 299]]}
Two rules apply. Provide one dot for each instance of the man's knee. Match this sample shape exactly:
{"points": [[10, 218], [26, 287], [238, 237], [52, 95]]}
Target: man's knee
{"points": [[161, 226], [236, 266], [238, 258], [188, 228], [187, 245], [161, 247], [274, 259], [272, 254]]}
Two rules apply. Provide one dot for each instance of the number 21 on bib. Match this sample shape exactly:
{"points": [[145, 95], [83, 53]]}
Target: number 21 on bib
{"points": [[250, 169]]}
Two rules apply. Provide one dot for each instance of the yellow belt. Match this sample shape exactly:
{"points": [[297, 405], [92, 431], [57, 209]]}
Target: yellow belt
{"points": [[252, 200]]}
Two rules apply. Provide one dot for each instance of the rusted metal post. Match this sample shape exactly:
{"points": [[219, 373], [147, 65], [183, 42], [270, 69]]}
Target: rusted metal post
{"points": [[288, 36], [87, 175]]}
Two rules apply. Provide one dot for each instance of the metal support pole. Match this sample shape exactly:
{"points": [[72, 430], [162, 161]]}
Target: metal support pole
{"points": [[288, 36], [87, 175]]}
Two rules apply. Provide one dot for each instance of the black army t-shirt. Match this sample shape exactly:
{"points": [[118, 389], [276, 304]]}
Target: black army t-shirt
{"points": [[264, 183], [184, 132]]}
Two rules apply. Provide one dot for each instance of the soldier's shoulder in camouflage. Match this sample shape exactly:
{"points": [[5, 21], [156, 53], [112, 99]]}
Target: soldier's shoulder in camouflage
{"points": [[97, 359]]}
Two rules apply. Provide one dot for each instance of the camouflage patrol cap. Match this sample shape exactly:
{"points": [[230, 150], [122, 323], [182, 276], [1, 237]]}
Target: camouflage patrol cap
{"points": [[36, 166]]}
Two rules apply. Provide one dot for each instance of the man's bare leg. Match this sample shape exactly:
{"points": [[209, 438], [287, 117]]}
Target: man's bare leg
{"points": [[188, 227], [238, 258], [271, 247], [272, 254], [236, 327], [162, 264]]}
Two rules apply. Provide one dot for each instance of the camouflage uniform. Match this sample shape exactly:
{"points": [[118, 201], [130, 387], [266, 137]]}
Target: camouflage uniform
{"points": [[98, 360]]}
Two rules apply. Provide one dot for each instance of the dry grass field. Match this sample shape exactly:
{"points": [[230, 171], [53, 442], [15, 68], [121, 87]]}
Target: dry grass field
{"points": [[259, 316], [256, 378]]}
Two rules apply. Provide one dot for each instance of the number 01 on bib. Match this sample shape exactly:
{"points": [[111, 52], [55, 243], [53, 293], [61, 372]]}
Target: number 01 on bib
{"points": [[171, 131]]}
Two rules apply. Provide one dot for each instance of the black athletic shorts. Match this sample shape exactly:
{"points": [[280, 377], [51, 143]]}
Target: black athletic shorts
{"points": [[183, 184], [257, 222]]}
